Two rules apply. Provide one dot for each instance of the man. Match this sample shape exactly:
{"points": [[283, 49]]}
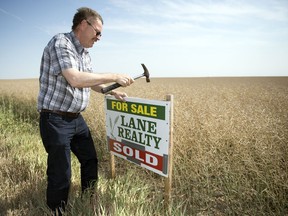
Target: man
{"points": [[65, 81]]}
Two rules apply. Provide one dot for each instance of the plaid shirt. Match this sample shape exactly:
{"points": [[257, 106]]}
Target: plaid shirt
{"points": [[64, 51]]}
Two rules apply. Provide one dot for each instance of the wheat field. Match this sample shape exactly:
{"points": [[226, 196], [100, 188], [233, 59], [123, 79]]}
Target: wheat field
{"points": [[230, 151]]}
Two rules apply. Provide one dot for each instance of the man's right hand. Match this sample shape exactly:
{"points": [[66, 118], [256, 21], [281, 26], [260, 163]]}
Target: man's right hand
{"points": [[124, 80]]}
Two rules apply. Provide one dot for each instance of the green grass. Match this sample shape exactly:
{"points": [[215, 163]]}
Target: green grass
{"points": [[22, 172]]}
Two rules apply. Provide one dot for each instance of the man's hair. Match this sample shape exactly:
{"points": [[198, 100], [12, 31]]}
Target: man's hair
{"points": [[85, 13]]}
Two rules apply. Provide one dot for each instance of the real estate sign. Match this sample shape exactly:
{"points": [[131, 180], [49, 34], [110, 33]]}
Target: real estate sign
{"points": [[138, 131]]}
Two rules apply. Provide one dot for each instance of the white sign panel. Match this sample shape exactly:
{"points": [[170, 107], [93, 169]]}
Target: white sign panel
{"points": [[138, 131]]}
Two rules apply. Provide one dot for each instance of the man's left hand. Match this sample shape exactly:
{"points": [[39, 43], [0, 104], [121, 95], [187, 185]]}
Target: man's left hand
{"points": [[119, 95]]}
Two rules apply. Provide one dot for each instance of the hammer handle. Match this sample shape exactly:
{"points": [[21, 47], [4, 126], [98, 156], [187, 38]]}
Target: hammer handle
{"points": [[110, 88], [116, 85]]}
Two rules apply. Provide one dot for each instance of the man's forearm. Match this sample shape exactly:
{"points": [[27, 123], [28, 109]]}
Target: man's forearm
{"points": [[98, 88]]}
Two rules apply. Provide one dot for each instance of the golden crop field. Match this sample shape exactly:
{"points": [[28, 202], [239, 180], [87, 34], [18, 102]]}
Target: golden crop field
{"points": [[230, 151]]}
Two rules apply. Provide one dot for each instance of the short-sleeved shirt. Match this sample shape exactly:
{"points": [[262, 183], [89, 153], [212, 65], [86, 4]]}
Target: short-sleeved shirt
{"points": [[63, 51]]}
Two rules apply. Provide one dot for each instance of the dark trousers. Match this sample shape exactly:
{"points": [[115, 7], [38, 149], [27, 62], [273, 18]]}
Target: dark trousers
{"points": [[61, 135]]}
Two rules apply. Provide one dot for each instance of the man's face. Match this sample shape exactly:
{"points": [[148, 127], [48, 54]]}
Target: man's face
{"points": [[91, 32]]}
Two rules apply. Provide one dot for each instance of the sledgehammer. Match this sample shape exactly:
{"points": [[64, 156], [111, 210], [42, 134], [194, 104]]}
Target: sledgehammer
{"points": [[116, 85]]}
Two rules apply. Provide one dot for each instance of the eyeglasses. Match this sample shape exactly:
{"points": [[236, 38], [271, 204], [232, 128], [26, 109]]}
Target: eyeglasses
{"points": [[98, 33]]}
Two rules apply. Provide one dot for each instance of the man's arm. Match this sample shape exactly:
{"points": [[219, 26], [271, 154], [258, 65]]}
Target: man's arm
{"points": [[84, 79]]}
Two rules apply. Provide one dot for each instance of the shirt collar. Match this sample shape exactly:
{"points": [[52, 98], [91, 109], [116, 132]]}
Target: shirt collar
{"points": [[80, 49]]}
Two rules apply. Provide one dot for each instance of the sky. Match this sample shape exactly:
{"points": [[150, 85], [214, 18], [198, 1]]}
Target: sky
{"points": [[173, 38]]}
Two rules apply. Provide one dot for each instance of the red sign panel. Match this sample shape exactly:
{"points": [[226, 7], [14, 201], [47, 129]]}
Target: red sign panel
{"points": [[137, 154]]}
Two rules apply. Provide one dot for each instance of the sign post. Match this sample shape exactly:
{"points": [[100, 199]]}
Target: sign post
{"points": [[168, 180], [140, 131], [112, 165]]}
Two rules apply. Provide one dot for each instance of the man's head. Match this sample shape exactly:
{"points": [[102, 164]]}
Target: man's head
{"points": [[87, 25]]}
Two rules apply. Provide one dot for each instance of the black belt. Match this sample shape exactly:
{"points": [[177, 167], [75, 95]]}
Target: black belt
{"points": [[66, 114]]}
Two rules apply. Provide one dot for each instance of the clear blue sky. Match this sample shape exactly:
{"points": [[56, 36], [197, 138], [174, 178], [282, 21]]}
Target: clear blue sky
{"points": [[174, 38]]}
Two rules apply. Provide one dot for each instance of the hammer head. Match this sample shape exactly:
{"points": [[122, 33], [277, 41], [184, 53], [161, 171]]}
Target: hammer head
{"points": [[146, 73]]}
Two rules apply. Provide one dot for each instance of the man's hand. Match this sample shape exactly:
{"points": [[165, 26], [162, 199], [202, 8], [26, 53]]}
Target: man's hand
{"points": [[119, 95], [124, 80]]}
